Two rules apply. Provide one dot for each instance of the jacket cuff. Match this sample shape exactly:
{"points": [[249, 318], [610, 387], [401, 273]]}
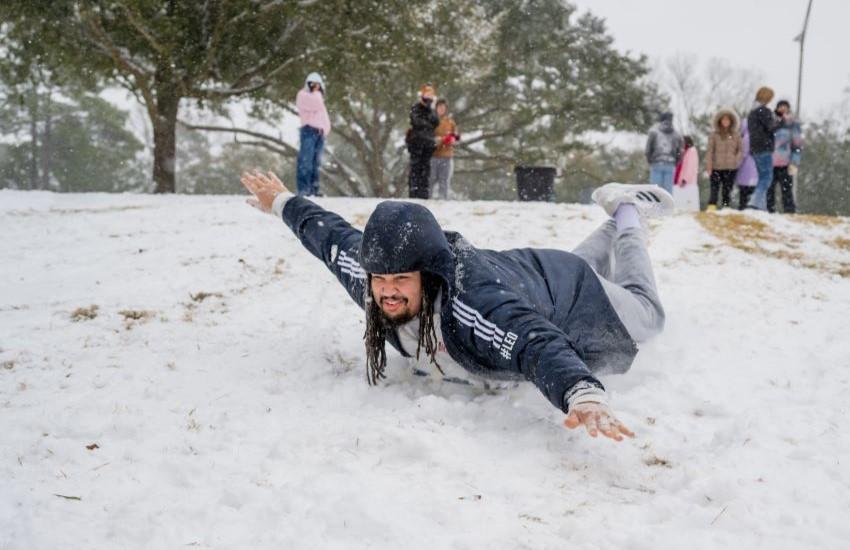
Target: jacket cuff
{"points": [[584, 391], [280, 202]]}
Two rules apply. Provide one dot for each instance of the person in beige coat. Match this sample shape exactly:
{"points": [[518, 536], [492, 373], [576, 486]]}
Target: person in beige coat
{"points": [[723, 156]]}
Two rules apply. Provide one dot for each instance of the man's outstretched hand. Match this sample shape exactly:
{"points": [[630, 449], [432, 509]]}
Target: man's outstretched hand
{"points": [[597, 418], [264, 187]]}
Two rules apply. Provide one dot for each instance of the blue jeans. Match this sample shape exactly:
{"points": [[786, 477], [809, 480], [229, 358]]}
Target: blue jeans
{"points": [[764, 166], [661, 174], [309, 161]]}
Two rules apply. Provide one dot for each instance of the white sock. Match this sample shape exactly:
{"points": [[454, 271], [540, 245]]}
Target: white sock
{"points": [[626, 215]]}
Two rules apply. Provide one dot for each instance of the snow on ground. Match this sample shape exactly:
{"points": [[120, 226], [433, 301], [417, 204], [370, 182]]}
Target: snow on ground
{"points": [[241, 419]]}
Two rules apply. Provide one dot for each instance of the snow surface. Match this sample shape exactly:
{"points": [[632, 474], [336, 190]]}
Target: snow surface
{"points": [[244, 420]]}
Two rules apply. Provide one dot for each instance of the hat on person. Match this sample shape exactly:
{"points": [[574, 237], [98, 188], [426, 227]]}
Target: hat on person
{"points": [[666, 116], [427, 89], [314, 77]]}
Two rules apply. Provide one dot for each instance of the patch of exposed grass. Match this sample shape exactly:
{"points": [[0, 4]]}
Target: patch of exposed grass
{"points": [[842, 243], [85, 313], [824, 221], [201, 296], [754, 236], [134, 316], [653, 460]]}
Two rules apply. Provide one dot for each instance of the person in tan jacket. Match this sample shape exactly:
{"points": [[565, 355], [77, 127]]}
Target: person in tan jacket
{"points": [[442, 165], [723, 156]]}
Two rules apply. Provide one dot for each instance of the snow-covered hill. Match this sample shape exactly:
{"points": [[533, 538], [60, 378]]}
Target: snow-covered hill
{"points": [[177, 372]]}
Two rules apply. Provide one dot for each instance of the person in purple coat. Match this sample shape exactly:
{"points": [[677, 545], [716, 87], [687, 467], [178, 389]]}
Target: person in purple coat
{"points": [[747, 176]]}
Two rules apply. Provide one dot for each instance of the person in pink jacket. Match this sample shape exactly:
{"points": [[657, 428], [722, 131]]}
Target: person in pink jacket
{"points": [[685, 187], [315, 127]]}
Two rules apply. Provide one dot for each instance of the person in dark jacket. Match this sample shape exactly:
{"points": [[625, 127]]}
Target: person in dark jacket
{"points": [[554, 318], [761, 124], [664, 147], [787, 151], [421, 143]]}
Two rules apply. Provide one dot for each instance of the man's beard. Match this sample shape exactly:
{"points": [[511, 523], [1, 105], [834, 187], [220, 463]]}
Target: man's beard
{"points": [[403, 316]]}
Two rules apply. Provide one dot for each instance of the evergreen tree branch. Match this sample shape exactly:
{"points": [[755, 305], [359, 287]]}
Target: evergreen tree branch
{"points": [[140, 28]]}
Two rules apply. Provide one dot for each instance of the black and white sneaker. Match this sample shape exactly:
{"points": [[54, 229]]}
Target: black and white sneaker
{"points": [[650, 200]]}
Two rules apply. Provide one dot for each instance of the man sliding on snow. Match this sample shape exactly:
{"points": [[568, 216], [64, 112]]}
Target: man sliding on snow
{"points": [[548, 316]]}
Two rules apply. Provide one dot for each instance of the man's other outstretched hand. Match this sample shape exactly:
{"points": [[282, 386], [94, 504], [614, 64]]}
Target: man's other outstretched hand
{"points": [[265, 188], [597, 418]]}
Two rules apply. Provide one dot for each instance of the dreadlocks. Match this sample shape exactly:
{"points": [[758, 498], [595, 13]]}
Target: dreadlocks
{"points": [[377, 324]]}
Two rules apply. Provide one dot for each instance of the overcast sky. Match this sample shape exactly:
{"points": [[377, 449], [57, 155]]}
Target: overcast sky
{"points": [[748, 33]]}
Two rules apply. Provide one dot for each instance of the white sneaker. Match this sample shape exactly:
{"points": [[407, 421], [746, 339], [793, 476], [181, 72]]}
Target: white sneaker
{"points": [[650, 200]]}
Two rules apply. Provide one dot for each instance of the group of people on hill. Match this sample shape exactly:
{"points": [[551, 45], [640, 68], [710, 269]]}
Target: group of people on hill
{"points": [[757, 155], [430, 142]]}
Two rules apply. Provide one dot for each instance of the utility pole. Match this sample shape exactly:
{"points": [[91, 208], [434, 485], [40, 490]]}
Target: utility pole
{"points": [[801, 38]]}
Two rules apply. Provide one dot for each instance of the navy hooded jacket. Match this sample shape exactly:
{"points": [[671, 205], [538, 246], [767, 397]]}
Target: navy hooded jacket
{"points": [[537, 314]]}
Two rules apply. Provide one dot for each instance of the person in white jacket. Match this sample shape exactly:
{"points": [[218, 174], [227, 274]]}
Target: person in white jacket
{"points": [[315, 127]]}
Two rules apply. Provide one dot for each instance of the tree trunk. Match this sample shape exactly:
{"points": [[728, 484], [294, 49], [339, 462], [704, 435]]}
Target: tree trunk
{"points": [[164, 138], [33, 160], [46, 142]]}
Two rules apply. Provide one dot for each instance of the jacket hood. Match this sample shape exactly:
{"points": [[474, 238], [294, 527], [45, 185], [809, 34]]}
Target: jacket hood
{"points": [[723, 112], [314, 77], [401, 237], [665, 122]]}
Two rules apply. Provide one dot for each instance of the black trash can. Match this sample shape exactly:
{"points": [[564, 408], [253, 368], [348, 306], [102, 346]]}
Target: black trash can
{"points": [[535, 183]]}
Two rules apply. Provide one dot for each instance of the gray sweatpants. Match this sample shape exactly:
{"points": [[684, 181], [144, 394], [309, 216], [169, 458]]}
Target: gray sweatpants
{"points": [[441, 176], [622, 264]]}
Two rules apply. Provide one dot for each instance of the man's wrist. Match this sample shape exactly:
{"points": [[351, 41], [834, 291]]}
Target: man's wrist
{"points": [[584, 391], [280, 202]]}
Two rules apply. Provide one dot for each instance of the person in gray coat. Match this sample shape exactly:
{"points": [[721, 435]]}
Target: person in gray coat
{"points": [[663, 151]]}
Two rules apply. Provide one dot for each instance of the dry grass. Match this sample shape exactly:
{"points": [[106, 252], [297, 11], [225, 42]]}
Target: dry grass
{"points": [[754, 236], [135, 316], [201, 296], [654, 460], [85, 313], [824, 221], [842, 243]]}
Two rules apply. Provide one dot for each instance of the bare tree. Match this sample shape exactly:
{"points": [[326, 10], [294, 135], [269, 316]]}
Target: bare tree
{"points": [[697, 89]]}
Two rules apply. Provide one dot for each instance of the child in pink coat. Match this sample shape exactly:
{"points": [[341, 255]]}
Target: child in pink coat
{"points": [[685, 187]]}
